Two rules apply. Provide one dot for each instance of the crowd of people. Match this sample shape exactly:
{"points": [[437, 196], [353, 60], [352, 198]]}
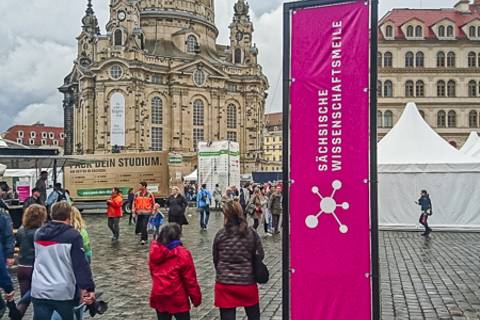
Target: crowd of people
{"points": [[53, 261]]}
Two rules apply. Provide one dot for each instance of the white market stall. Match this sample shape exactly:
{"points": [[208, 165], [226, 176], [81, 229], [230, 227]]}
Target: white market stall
{"points": [[192, 177], [413, 157], [472, 142]]}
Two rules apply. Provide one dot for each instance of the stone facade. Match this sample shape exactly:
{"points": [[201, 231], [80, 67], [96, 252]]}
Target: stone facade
{"points": [[431, 57], [272, 142], [178, 85]]}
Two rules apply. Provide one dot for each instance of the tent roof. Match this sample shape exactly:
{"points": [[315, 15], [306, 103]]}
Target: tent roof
{"points": [[413, 141], [472, 141], [192, 176]]}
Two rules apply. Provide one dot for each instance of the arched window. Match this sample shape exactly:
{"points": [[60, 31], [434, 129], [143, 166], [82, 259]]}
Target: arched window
{"points": [[157, 111], [472, 88], [389, 31], [418, 31], [409, 89], [238, 55], [388, 119], [451, 88], [451, 59], [441, 31], [118, 37], [379, 59], [452, 119], [441, 119], [231, 116], [441, 59], [409, 58], [472, 32], [192, 44], [420, 59], [420, 88], [388, 59], [379, 119], [472, 59], [441, 88], [198, 113], [410, 31], [388, 89], [379, 88], [473, 119], [450, 31]]}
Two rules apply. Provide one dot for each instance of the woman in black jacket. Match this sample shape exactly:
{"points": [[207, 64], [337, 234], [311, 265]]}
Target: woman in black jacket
{"points": [[177, 205]]}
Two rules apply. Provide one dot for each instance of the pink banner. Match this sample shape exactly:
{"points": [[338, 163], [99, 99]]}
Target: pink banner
{"points": [[329, 163]]}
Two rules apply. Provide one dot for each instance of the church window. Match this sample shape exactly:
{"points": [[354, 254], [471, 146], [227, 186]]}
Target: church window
{"points": [[192, 44], [232, 136], [231, 117], [157, 79], [157, 110], [199, 78], [198, 113], [238, 55], [118, 37], [231, 87], [116, 72], [198, 136], [157, 139]]}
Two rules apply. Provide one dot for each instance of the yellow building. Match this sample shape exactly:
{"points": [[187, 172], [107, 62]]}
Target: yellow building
{"points": [[431, 57], [272, 142], [158, 80]]}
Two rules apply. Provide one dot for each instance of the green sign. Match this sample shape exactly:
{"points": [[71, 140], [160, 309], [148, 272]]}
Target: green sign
{"points": [[99, 192]]}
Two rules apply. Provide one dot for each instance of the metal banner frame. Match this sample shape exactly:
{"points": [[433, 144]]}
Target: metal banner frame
{"points": [[374, 242]]}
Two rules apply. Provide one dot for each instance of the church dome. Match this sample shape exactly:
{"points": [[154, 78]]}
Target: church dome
{"points": [[199, 9]]}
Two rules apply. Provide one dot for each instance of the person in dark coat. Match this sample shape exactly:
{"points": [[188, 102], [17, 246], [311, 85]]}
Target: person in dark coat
{"points": [[41, 185], [177, 205], [426, 206], [34, 199], [233, 250]]}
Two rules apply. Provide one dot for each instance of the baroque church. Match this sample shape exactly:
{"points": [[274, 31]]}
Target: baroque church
{"points": [[158, 81]]}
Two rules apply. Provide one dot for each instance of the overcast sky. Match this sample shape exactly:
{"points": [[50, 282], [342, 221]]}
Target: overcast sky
{"points": [[37, 49]]}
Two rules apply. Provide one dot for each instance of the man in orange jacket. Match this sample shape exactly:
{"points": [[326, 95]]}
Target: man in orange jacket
{"points": [[143, 208], [114, 212]]}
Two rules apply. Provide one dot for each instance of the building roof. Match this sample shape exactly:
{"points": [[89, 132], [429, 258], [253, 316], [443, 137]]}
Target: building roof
{"points": [[430, 17], [12, 134], [273, 119]]}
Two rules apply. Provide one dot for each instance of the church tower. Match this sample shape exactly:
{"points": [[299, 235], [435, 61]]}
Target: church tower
{"points": [[243, 51]]}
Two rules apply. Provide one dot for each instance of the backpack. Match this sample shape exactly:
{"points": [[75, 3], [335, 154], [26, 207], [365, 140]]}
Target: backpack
{"points": [[61, 196]]}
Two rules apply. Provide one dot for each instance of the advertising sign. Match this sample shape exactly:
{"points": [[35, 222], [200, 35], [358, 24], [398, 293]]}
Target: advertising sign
{"points": [[329, 201], [23, 189], [95, 179], [117, 120]]}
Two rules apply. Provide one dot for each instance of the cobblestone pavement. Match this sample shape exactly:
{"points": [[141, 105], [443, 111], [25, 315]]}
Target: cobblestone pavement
{"points": [[436, 278]]}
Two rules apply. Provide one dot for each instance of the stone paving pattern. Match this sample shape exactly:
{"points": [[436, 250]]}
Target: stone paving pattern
{"points": [[434, 278]]}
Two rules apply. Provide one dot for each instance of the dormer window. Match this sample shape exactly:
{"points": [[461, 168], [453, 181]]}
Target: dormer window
{"points": [[192, 44], [450, 32], [410, 31], [389, 32], [441, 31], [418, 32]]}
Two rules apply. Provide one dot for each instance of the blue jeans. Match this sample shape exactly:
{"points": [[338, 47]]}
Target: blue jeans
{"points": [[204, 216], [43, 309]]}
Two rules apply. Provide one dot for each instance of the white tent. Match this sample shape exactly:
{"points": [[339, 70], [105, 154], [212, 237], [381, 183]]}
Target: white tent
{"points": [[413, 157], [192, 177], [472, 141], [2, 169]]}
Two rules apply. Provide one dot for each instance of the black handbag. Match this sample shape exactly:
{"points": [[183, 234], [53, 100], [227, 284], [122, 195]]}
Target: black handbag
{"points": [[260, 270]]}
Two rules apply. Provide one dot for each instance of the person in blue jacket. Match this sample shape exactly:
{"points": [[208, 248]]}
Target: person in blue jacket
{"points": [[204, 199], [426, 207], [5, 283]]}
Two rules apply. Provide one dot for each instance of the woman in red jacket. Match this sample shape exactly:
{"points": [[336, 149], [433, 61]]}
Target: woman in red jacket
{"points": [[173, 275], [114, 212]]}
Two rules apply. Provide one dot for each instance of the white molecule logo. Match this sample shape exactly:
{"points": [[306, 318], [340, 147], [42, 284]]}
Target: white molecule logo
{"points": [[328, 205]]}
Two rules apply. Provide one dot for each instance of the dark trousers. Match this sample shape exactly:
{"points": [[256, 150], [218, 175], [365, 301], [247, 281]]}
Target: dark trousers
{"points": [[253, 313], [141, 227], [204, 216], [43, 309], [424, 221], [255, 223], [114, 226], [276, 222], [24, 276], [169, 316]]}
